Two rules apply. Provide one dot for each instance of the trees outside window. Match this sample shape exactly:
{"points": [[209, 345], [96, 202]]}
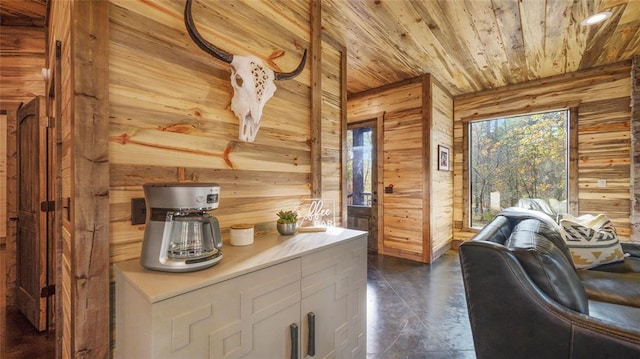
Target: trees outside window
{"points": [[518, 161]]}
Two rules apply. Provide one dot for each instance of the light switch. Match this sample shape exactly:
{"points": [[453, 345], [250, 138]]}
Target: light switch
{"points": [[602, 183], [138, 211]]}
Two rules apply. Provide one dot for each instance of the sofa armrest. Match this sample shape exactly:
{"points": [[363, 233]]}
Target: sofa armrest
{"points": [[616, 288], [633, 248], [602, 341], [512, 318]]}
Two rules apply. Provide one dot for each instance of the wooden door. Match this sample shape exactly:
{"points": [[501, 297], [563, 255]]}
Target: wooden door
{"points": [[362, 181], [31, 241]]}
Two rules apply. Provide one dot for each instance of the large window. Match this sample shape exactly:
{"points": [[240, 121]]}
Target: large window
{"points": [[518, 162]]}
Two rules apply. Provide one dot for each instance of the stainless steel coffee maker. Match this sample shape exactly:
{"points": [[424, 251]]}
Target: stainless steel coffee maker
{"points": [[180, 234]]}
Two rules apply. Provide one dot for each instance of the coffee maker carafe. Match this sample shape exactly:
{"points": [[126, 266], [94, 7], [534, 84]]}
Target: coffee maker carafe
{"points": [[180, 234]]}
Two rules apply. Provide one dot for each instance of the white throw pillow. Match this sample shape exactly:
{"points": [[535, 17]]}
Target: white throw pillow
{"points": [[592, 240]]}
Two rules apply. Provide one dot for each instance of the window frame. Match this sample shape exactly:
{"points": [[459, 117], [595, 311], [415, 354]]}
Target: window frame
{"points": [[357, 125], [572, 165]]}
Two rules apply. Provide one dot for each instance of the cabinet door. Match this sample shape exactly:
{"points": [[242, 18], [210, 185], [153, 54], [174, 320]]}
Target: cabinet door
{"points": [[248, 316], [334, 283]]}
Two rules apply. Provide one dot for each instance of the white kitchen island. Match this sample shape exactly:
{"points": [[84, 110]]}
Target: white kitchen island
{"points": [[281, 297]]}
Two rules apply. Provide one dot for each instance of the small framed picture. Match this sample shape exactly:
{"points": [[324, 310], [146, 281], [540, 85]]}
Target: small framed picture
{"points": [[444, 158]]}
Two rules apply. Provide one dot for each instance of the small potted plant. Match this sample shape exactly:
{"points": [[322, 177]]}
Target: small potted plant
{"points": [[287, 222]]}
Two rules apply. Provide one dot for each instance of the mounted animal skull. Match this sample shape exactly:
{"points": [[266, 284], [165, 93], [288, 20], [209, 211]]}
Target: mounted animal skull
{"points": [[252, 82]]}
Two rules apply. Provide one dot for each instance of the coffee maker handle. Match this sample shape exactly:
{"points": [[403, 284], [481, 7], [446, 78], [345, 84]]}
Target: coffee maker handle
{"points": [[215, 229]]}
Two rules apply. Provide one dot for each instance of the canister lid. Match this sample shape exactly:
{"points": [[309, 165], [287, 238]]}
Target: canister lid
{"points": [[241, 226]]}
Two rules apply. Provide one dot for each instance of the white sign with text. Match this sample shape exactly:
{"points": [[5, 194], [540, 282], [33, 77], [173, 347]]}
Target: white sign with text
{"points": [[316, 212]]}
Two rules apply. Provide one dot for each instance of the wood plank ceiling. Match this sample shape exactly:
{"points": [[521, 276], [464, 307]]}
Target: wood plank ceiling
{"points": [[473, 45], [468, 45]]}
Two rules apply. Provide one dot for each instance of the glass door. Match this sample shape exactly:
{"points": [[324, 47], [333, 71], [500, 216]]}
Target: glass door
{"points": [[362, 179]]}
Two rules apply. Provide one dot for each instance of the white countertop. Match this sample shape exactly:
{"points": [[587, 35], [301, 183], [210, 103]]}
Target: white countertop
{"points": [[267, 250]]}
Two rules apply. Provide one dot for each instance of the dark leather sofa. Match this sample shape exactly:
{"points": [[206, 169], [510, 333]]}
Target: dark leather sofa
{"points": [[526, 299]]}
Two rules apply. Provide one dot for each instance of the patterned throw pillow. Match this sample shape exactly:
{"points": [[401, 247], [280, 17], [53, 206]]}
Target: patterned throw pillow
{"points": [[592, 241]]}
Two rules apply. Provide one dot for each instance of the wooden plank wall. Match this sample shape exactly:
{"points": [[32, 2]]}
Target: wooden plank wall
{"points": [[22, 59], [417, 117], [602, 96], [81, 143], [441, 188], [402, 148], [170, 118], [404, 211], [332, 126]]}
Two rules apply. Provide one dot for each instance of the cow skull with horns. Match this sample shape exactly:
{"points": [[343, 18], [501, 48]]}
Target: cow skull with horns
{"points": [[252, 82]]}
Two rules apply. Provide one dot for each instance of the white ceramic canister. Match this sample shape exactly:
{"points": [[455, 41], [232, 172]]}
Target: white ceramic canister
{"points": [[241, 234]]}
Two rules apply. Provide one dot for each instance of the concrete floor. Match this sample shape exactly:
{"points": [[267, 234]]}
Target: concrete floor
{"points": [[413, 311], [24, 342], [416, 310], [18, 339]]}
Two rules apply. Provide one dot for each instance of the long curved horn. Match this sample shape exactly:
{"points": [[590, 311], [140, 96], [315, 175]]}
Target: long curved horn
{"points": [[200, 41], [294, 73], [225, 56]]}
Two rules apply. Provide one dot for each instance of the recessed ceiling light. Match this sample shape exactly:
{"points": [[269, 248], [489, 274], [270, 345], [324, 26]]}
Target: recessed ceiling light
{"points": [[596, 18]]}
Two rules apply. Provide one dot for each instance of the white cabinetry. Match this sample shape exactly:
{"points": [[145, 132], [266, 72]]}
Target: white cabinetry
{"points": [[248, 304], [334, 288]]}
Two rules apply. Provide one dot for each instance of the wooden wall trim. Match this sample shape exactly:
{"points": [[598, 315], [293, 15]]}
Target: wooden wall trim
{"points": [[380, 180], [427, 124], [560, 93], [343, 134], [334, 43], [518, 112], [599, 71], [379, 90], [635, 150], [57, 163], [466, 219], [573, 189], [12, 206], [316, 99], [90, 180], [3, 177]]}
